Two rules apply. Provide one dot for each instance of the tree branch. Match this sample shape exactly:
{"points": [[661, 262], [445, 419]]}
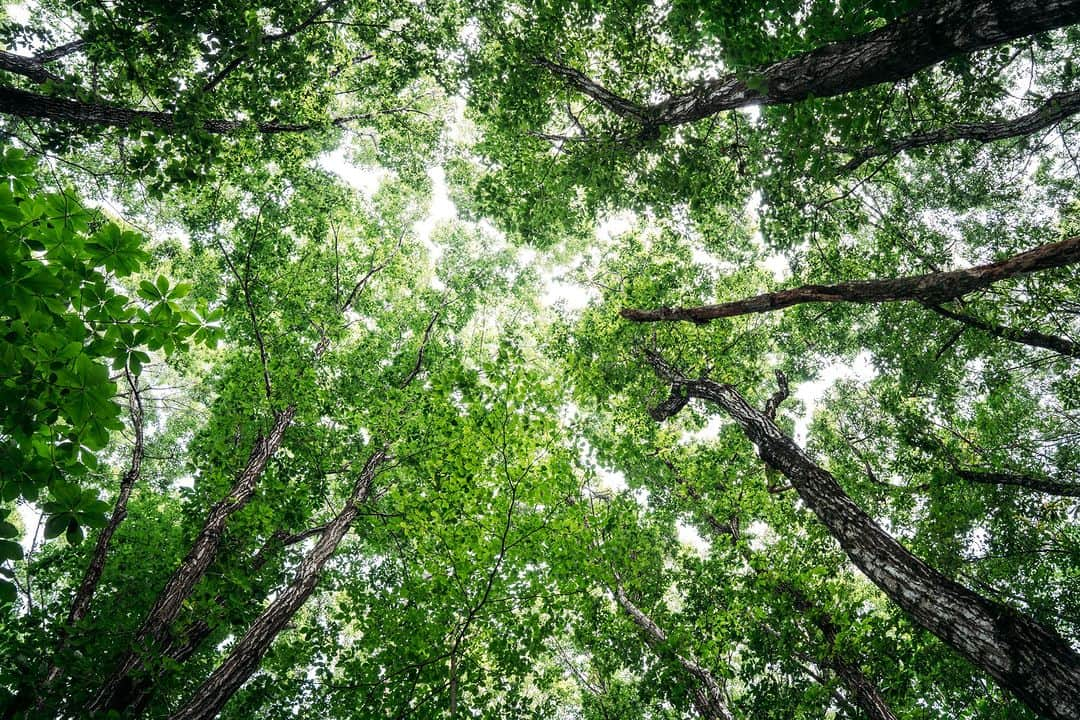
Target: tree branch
{"points": [[932, 33], [931, 288], [1033, 338], [267, 40], [1057, 108]]}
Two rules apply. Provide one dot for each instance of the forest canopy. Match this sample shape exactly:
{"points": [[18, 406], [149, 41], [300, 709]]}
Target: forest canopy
{"points": [[562, 359]]}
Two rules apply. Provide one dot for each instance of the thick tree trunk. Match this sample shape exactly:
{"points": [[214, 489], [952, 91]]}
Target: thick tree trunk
{"points": [[154, 631], [244, 658], [1024, 657], [1057, 108], [930, 289], [935, 32], [708, 698]]}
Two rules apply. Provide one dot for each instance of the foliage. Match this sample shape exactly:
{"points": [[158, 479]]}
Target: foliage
{"points": [[547, 536]]}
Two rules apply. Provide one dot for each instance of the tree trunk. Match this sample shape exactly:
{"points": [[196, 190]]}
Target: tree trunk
{"points": [[188, 641], [1024, 657], [154, 631], [931, 289], [80, 604], [244, 658], [708, 698], [936, 31]]}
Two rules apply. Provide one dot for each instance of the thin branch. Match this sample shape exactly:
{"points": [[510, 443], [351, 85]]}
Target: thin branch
{"points": [[1057, 108], [1033, 338]]}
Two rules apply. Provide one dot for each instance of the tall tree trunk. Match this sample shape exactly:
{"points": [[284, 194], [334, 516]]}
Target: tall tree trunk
{"points": [[863, 690], [931, 289], [1024, 657], [708, 698], [80, 604], [936, 31], [244, 658], [154, 631], [188, 641]]}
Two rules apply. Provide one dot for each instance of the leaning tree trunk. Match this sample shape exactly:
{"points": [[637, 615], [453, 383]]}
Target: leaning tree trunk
{"points": [[930, 289], [80, 604], [936, 31], [708, 698], [244, 658], [154, 631], [1023, 656]]}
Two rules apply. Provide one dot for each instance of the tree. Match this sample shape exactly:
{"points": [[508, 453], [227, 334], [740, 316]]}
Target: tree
{"points": [[346, 453]]}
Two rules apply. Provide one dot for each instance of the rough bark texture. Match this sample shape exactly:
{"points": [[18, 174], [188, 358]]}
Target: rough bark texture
{"points": [[187, 642], [934, 32], [930, 289], [1059, 107], [244, 658], [1060, 345], [1024, 657], [29, 67], [708, 697], [154, 631]]}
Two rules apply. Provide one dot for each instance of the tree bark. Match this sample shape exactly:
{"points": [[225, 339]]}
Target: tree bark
{"points": [[1057, 344], [26, 104], [188, 641], [29, 67], [931, 289], [1029, 482], [1057, 108], [935, 32], [708, 698], [244, 658], [154, 631], [1021, 655], [80, 604]]}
